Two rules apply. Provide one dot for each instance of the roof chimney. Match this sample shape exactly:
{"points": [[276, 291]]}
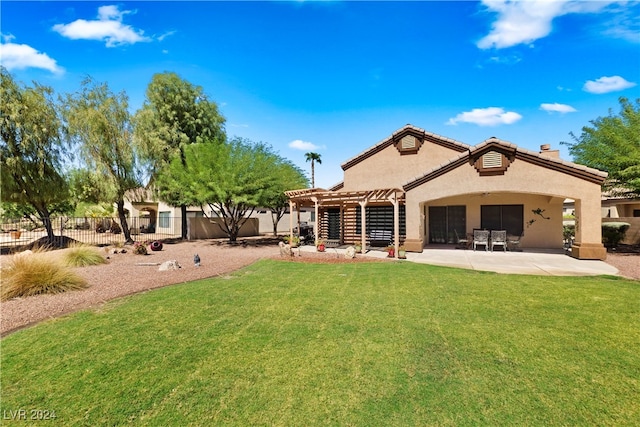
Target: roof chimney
{"points": [[546, 151]]}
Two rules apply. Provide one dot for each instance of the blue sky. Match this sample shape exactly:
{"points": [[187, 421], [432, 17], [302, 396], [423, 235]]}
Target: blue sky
{"points": [[336, 77]]}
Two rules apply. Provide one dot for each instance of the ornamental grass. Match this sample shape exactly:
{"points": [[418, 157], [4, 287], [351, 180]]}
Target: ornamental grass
{"points": [[35, 274]]}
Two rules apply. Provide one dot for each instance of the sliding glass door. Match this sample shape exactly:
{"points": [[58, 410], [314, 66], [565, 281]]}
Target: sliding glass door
{"points": [[445, 221]]}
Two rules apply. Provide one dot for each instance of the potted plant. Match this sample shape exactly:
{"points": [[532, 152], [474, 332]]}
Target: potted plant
{"points": [[402, 252], [320, 246], [15, 234], [358, 248], [292, 242], [391, 251]]}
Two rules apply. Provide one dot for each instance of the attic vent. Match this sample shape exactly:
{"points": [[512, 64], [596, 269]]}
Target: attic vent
{"points": [[408, 142], [492, 159]]}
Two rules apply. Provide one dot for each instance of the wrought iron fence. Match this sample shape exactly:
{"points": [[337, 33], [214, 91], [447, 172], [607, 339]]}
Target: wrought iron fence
{"points": [[92, 231]]}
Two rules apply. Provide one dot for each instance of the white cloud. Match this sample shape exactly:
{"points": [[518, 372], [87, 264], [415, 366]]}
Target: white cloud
{"points": [[108, 28], [303, 145], [557, 108], [21, 56], [607, 84], [491, 116], [523, 22]]}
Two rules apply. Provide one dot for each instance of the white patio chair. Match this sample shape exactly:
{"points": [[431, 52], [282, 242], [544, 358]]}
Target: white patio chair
{"points": [[481, 237], [499, 238]]}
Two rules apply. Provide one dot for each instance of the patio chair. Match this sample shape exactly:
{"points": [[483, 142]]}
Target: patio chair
{"points": [[499, 238], [462, 242], [481, 237], [513, 243]]}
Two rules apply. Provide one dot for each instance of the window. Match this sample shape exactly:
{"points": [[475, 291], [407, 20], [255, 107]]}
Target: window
{"points": [[381, 218], [164, 219], [502, 217]]}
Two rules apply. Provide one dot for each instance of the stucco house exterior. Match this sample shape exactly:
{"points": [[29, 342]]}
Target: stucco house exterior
{"points": [[426, 189]]}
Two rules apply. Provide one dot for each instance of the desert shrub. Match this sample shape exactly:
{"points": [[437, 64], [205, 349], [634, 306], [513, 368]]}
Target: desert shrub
{"points": [[82, 256], [613, 233], [27, 275], [140, 248]]}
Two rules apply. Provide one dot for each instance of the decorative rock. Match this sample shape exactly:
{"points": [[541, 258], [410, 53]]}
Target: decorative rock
{"points": [[169, 265], [350, 252], [285, 249]]}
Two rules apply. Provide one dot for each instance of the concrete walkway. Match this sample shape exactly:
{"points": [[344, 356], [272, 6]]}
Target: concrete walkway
{"points": [[531, 261]]}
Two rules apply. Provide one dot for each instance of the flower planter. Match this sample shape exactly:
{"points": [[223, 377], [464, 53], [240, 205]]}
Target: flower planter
{"points": [[391, 253], [402, 254], [321, 247], [15, 234]]}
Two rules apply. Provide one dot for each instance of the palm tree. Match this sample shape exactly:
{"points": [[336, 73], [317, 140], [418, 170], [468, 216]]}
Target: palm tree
{"points": [[313, 157]]}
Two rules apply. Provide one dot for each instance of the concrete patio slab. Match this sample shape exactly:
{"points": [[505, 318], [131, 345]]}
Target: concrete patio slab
{"points": [[537, 262]]}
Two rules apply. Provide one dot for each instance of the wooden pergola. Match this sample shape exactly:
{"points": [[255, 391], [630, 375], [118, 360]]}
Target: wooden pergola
{"points": [[318, 197]]}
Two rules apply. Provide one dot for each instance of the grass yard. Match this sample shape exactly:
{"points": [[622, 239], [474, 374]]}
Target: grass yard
{"points": [[293, 344]]}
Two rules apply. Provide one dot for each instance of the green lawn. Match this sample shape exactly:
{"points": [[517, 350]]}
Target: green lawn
{"points": [[282, 343]]}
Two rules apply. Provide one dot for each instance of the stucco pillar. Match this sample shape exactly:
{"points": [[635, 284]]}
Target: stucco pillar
{"points": [[413, 211], [588, 243]]}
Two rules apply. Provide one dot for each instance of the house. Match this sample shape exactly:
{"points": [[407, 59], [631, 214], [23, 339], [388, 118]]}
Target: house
{"points": [[147, 214], [425, 189]]}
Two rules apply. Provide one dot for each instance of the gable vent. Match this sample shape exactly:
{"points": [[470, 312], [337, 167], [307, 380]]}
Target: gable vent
{"points": [[492, 159], [408, 142]]}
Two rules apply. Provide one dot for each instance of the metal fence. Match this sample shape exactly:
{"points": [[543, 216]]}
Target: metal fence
{"points": [[91, 231]]}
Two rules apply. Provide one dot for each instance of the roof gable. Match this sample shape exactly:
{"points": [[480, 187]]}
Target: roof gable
{"points": [[511, 153], [421, 136]]}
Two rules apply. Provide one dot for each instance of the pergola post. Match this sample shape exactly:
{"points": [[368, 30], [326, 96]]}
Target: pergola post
{"points": [[363, 224], [291, 205], [315, 223], [396, 225]]}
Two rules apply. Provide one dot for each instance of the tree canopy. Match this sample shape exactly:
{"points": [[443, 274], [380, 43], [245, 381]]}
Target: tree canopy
{"points": [[31, 150], [98, 121], [612, 144], [232, 179], [175, 114]]}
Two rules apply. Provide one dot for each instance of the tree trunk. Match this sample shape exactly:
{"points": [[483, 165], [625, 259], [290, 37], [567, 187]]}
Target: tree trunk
{"points": [[313, 175], [276, 216], [45, 216], [123, 222], [183, 212]]}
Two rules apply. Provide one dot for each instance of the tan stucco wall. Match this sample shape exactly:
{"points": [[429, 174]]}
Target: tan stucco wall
{"points": [[536, 187], [205, 228], [541, 233], [389, 169]]}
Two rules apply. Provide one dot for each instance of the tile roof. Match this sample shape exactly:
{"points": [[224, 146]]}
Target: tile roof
{"points": [[570, 168]]}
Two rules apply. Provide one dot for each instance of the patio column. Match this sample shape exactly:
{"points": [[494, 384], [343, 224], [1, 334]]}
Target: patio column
{"points": [[396, 224], [291, 205], [588, 244], [315, 223], [363, 224]]}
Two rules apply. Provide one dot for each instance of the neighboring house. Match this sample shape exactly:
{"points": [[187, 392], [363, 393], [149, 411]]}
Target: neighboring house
{"points": [[425, 189], [619, 209], [147, 213]]}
